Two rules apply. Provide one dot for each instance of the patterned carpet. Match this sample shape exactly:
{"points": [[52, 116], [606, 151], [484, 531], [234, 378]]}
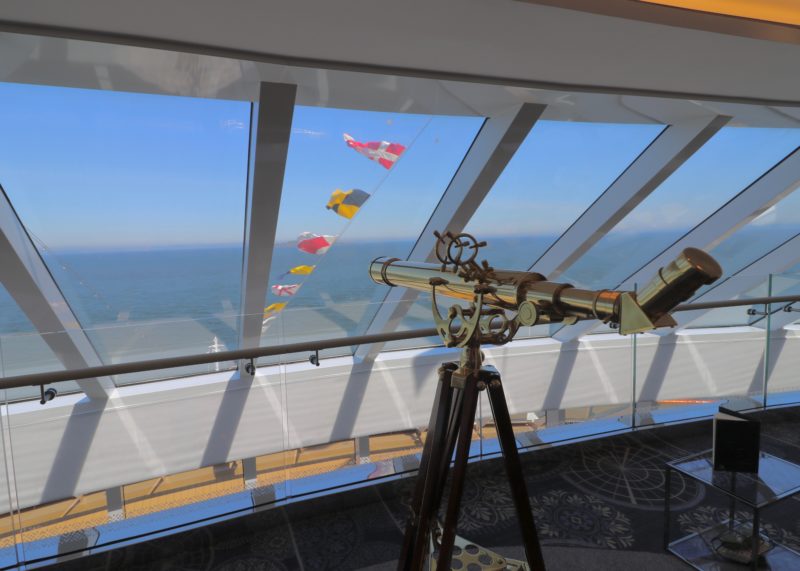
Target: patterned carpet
{"points": [[599, 497]]}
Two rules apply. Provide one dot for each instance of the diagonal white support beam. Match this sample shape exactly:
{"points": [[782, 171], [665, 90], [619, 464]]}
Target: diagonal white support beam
{"points": [[271, 126], [659, 160], [27, 279], [778, 260], [492, 149], [771, 187]]}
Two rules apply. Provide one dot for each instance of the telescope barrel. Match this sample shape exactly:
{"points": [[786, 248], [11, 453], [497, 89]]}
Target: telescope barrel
{"points": [[554, 300], [673, 284]]}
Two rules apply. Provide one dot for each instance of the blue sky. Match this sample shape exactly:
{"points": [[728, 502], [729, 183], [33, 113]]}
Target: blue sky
{"points": [[91, 168], [99, 169]]}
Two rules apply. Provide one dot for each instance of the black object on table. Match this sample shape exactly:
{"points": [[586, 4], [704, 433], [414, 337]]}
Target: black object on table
{"points": [[736, 441], [716, 547]]}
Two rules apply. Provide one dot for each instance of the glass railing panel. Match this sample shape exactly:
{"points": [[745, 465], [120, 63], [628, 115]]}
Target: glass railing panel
{"points": [[152, 458], [418, 316], [562, 391], [348, 421], [738, 287], [183, 498], [139, 213], [351, 421], [304, 429], [690, 373], [63, 527], [325, 321], [162, 339], [783, 384], [9, 513], [28, 353]]}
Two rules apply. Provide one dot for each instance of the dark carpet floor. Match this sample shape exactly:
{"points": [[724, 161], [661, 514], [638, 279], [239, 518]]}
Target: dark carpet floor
{"points": [[598, 505]]}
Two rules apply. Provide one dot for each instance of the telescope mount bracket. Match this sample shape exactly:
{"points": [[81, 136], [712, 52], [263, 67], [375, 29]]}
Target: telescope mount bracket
{"points": [[477, 323]]}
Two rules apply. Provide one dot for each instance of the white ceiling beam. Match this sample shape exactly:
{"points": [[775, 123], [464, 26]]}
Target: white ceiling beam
{"points": [[506, 43], [271, 126], [493, 147], [27, 279], [770, 188], [671, 149]]}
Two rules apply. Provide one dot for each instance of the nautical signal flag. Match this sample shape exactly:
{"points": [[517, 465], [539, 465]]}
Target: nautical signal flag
{"points": [[347, 202], [271, 314], [285, 290], [382, 152], [274, 308], [314, 243], [299, 271]]}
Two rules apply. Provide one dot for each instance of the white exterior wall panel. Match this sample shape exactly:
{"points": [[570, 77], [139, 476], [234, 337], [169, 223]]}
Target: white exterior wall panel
{"points": [[71, 447], [699, 365], [784, 359]]}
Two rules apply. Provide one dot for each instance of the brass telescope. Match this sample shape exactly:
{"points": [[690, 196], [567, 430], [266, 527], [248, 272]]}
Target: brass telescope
{"points": [[551, 302]]}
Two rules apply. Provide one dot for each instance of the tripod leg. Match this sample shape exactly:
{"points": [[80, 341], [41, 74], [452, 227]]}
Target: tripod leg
{"points": [[450, 446], [519, 492], [415, 541], [464, 439]]}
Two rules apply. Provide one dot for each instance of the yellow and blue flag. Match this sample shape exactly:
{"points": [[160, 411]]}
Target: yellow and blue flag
{"points": [[347, 202]]}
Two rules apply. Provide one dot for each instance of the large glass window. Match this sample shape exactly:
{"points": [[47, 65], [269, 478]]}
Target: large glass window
{"points": [[732, 160], [358, 185], [761, 235], [23, 350], [136, 204], [556, 174]]}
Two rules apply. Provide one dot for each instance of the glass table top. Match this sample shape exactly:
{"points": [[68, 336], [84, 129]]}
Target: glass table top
{"points": [[775, 479]]}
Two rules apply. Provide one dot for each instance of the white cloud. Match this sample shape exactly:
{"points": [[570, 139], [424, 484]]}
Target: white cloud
{"points": [[232, 124], [665, 217], [769, 216], [308, 132]]}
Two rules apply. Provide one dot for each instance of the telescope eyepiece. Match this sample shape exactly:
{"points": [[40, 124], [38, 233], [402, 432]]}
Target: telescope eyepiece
{"points": [[703, 263], [678, 281]]}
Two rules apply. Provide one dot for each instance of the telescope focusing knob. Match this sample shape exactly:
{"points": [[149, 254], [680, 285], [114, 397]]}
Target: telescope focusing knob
{"points": [[527, 314]]}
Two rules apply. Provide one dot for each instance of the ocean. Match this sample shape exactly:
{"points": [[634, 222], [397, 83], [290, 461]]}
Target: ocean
{"points": [[138, 305]]}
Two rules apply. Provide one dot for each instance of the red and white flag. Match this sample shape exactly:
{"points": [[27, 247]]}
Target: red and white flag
{"points": [[382, 152], [314, 243], [285, 290]]}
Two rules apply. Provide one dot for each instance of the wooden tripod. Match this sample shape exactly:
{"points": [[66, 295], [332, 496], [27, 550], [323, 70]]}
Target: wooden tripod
{"points": [[449, 430]]}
